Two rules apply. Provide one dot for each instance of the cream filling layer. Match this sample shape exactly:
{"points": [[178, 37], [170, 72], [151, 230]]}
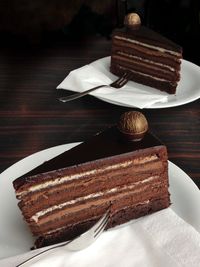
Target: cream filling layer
{"points": [[145, 60], [90, 196], [76, 176], [160, 49]]}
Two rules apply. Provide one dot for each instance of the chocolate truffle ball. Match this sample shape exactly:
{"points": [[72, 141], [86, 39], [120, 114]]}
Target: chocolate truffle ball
{"points": [[133, 125], [132, 21]]}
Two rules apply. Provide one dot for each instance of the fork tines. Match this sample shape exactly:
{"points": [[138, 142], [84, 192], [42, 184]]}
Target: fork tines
{"points": [[100, 226], [122, 80]]}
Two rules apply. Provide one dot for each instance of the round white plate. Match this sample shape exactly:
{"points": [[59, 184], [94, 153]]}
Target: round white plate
{"points": [[15, 237], [188, 88]]}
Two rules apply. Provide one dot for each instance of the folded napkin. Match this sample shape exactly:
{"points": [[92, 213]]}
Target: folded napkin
{"points": [[161, 239], [132, 94]]}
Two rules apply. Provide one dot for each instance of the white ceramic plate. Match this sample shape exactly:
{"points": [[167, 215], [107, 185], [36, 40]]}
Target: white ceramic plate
{"points": [[15, 237], [188, 88]]}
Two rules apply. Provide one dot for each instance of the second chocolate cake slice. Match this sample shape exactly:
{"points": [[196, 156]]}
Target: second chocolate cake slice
{"points": [[151, 58]]}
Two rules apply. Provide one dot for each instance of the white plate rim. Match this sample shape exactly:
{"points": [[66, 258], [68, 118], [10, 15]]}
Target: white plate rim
{"points": [[185, 64], [186, 188]]}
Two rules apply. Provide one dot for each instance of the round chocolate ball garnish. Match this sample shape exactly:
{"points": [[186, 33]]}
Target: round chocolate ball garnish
{"points": [[132, 21], [133, 125]]}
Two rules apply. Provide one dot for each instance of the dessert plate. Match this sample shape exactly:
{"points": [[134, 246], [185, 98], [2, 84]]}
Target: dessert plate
{"points": [[15, 237], [188, 88]]}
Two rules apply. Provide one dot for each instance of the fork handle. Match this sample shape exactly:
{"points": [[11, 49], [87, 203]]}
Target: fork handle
{"points": [[78, 95], [43, 252]]}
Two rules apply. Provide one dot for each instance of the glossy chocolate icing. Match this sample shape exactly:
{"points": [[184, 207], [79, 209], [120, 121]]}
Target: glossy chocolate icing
{"points": [[103, 145]]}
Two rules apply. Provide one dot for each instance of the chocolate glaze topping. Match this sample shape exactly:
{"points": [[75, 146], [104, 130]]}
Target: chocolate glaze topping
{"points": [[103, 145]]}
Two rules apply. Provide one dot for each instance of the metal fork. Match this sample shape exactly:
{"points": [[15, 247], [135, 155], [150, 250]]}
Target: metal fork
{"points": [[82, 241], [120, 82]]}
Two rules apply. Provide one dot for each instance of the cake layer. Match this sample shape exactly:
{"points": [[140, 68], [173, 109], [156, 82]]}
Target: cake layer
{"points": [[64, 192], [145, 53], [122, 216], [167, 65], [82, 172], [139, 77], [147, 68], [30, 209], [59, 216]]}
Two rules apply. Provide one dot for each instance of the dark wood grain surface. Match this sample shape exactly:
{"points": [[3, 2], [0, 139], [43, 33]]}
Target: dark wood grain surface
{"points": [[32, 119]]}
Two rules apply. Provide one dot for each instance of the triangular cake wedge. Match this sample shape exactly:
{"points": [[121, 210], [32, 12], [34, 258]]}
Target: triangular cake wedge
{"points": [[151, 58], [66, 195]]}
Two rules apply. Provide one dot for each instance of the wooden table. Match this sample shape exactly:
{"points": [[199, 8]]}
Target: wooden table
{"points": [[32, 119]]}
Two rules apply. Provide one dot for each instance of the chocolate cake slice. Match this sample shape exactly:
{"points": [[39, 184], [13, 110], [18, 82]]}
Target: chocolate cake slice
{"points": [[66, 195], [151, 58]]}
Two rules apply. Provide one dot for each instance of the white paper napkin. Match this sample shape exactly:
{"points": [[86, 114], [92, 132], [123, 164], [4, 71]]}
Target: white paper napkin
{"points": [[161, 239], [132, 94]]}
